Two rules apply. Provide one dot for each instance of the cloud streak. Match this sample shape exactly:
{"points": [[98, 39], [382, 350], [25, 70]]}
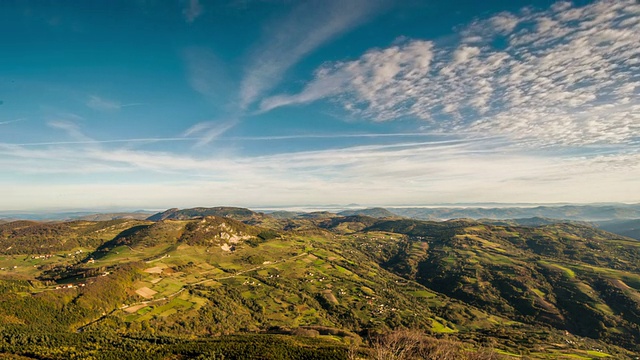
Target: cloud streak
{"points": [[310, 25], [210, 130], [11, 121], [202, 126], [103, 104]]}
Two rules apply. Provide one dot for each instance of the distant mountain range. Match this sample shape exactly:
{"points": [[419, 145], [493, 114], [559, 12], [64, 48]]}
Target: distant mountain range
{"points": [[568, 212], [623, 219], [591, 212]]}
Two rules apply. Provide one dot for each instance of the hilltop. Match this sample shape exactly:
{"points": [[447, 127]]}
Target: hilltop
{"points": [[240, 214]]}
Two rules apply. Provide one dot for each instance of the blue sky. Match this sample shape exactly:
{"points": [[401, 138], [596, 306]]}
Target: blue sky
{"points": [[155, 104]]}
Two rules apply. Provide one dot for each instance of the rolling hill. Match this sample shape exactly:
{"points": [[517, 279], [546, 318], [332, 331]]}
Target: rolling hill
{"points": [[333, 285], [566, 212], [562, 275], [240, 214]]}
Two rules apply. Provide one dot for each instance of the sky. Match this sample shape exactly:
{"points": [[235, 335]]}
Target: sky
{"points": [[146, 104]]}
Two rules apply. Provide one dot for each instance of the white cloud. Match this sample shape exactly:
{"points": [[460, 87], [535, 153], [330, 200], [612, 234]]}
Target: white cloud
{"points": [[565, 76], [483, 30], [504, 23], [192, 11], [465, 53], [383, 77]]}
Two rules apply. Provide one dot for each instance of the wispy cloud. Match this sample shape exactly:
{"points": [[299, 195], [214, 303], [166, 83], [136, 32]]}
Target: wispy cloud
{"points": [[192, 10], [70, 128], [307, 27], [209, 131], [567, 76], [285, 42], [11, 121], [455, 169], [104, 104], [113, 141], [206, 73]]}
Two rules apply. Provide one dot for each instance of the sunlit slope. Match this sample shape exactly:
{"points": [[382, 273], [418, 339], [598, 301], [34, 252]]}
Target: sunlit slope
{"points": [[30, 237]]}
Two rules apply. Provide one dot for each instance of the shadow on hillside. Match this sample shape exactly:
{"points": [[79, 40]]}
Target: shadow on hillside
{"points": [[123, 238]]}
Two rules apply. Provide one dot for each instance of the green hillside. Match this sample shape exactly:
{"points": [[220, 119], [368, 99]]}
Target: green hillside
{"points": [[337, 287], [30, 237], [560, 275]]}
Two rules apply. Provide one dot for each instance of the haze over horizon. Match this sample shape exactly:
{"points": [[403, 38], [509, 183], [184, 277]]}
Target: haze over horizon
{"points": [[57, 212], [154, 104]]}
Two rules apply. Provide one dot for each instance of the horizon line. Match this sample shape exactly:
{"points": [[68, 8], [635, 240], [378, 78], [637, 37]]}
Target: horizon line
{"points": [[104, 210]]}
